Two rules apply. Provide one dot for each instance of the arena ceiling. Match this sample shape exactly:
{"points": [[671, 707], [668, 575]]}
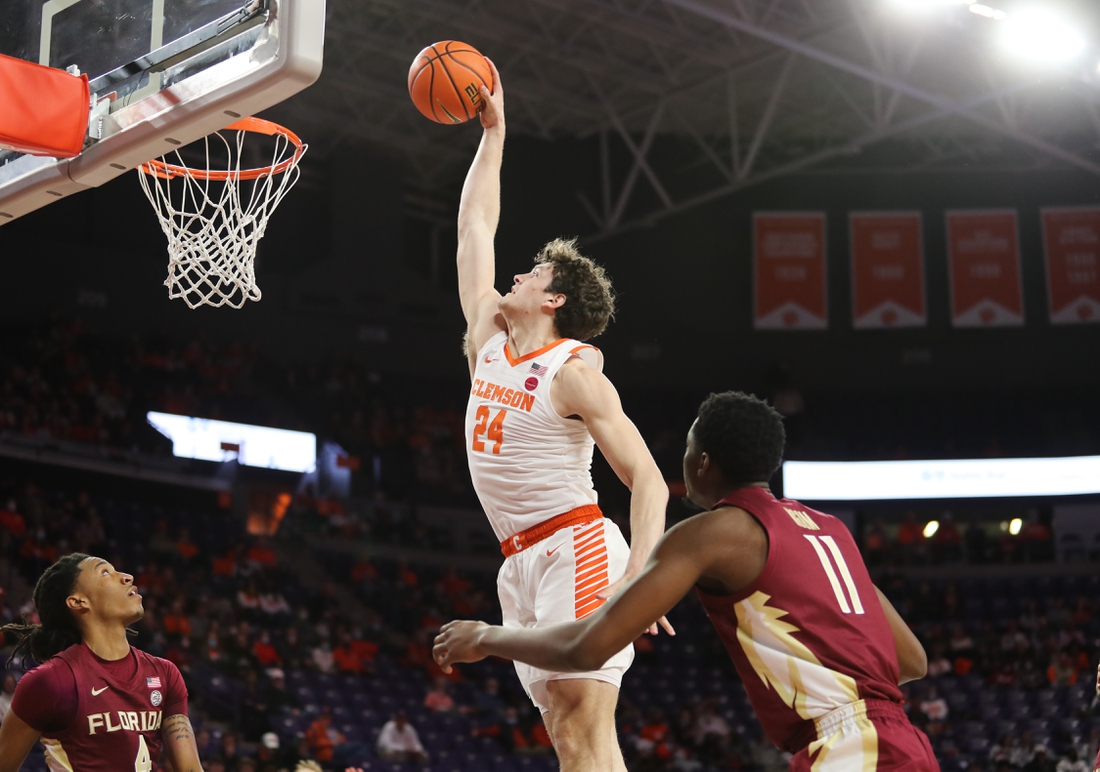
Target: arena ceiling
{"points": [[689, 100]]}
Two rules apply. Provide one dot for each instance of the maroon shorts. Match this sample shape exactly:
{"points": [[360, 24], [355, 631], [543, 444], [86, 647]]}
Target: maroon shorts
{"points": [[875, 736]]}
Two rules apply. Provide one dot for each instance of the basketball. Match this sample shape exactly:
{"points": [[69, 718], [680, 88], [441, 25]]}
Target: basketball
{"points": [[444, 81]]}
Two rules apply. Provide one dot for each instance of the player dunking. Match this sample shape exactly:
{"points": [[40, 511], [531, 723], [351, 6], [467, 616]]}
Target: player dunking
{"points": [[96, 703], [820, 650], [538, 402]]}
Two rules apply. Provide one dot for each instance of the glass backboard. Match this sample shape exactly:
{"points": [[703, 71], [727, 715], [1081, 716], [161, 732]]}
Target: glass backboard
{"points": [[163, 73]]}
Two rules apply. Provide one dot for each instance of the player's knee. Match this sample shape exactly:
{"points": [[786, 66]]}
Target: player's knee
{"points": [[575, 735], [585, 726]]}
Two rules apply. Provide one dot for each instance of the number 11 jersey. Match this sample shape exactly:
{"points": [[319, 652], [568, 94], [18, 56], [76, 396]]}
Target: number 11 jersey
{"points": [[527, 463], [809, 636]]}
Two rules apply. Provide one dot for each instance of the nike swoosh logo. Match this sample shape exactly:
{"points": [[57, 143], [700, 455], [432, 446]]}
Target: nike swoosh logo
{"points": [[97, 692], [488, 361], [550, 553]]}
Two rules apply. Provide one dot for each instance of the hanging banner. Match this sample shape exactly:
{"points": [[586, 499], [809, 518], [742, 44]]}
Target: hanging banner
{"points": [[789, 269], [984, 252], [887, 270], [1071, 239]]}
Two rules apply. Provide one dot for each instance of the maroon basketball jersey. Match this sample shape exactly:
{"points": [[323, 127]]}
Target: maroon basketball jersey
{"points": [[809, 635], [121, 706]]}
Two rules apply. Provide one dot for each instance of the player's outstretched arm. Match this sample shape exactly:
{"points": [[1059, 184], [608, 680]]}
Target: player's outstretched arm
{"points": [[582, 390], [179, 743], [684, 554], [478, 215], [17, 738], [912, 661]]}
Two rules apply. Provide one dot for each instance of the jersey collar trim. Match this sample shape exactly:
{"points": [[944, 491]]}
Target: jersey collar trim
{"points": [[513, 361]]}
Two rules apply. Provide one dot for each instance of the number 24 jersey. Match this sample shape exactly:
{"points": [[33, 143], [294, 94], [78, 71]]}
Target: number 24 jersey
{"points": [[527, 463]]}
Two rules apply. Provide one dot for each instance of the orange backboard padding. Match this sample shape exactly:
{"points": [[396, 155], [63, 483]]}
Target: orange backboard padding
{"points": [[43, 111]]}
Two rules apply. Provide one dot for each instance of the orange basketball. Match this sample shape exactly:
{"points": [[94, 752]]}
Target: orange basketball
{"points": [[444, 81]]}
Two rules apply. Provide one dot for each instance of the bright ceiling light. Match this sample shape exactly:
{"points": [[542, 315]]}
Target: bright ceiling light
{"points": [[1015, 525], [1038, 34], [927, 5], [930, 528], [988, 12]]}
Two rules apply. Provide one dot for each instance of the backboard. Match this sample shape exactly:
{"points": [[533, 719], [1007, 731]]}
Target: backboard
{"points": [[163, 73]]}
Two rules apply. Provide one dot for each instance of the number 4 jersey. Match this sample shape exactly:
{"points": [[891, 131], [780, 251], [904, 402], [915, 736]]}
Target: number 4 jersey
{"points": [[527, 463], [809, 636], [100, 716]]}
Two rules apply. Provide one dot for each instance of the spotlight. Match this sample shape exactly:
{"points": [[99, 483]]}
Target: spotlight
{"points": [[1037, 34], [927, 5], [930, 528], [988, 12], [1015, 525]]}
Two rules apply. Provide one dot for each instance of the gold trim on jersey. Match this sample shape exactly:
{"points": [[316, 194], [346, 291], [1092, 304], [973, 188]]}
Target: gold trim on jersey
{"points": [[763, 634], [56, 757], [787, 665], [836, 747]]}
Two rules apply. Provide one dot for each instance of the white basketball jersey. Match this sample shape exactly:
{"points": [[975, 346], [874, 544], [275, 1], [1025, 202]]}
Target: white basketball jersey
{"points": [[528, 464]]}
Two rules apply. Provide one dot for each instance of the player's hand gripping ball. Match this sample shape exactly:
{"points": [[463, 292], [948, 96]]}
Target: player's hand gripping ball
{"points": [[444, 80]]}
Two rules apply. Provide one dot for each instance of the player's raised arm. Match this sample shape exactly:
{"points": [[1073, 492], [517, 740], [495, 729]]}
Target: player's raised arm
{"points": [[478, 214], [583, 391]]}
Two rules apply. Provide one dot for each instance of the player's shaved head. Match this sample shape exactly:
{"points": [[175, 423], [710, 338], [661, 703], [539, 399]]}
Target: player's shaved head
{"points": [[742, 435]]}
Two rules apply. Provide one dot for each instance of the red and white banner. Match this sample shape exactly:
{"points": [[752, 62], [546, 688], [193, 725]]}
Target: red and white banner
{"points": [[789, 268], [887, 270], [1071, 237], [983, 249]]}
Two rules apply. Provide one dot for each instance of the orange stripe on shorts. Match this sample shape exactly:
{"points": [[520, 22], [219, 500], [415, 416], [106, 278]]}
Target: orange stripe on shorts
{"points": [[590, 553], [585, 541]]}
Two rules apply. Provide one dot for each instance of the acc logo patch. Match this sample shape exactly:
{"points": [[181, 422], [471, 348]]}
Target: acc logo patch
{"points": [[531, 384], [156, 698]]}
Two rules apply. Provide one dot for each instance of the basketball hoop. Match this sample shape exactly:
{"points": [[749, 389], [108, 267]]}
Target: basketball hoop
{"points": [[214, 218]]}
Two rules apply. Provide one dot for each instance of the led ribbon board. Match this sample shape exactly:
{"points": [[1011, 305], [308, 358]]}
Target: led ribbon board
{"points": [[958, 479], [261, 446]]}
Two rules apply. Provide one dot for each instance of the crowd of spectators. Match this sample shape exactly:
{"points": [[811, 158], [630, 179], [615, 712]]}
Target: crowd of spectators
{"points": [[979, 541], [1012, 631], [232, 617], [695, 737], [62, 381], [224, 607], [253, 640]]}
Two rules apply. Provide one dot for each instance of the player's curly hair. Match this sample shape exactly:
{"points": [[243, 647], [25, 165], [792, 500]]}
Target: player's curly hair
{"points": [[743, 435], [589, 300]]}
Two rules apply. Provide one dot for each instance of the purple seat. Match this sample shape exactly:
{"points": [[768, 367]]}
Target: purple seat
{"points": [[977, 745]]}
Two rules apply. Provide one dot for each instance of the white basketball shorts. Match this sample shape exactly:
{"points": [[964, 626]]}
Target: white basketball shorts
{"points": [[555, 581]]}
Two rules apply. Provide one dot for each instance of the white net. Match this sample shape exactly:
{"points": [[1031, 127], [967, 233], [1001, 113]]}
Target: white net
{"points": [[214, 218]]}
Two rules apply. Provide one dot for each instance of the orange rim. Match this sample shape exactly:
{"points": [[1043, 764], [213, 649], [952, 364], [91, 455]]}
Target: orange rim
{"points": [[167, 171]]}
